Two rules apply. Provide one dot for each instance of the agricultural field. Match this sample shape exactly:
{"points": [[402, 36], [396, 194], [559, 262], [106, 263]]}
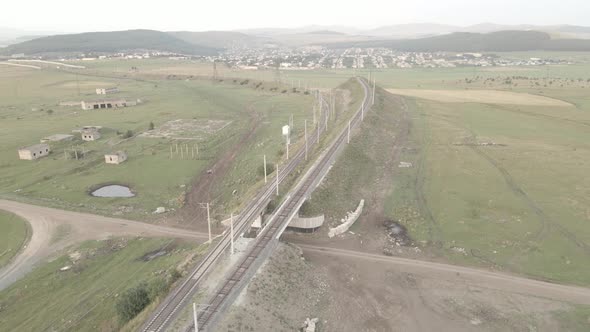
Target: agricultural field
{"points": [[188, 115], [15, 233], [80, 290]]}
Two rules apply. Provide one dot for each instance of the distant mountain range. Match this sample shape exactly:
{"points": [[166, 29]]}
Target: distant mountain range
{"points": [[420, 30], [500, 41], [416, 37], [108, 42]]}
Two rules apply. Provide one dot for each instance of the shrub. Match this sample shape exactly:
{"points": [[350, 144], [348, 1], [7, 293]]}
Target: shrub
{"points": [[132, 302], [128, 134]]}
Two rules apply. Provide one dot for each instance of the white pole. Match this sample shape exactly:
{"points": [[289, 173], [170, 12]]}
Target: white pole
{"points": [[209, 222], [348, 140], [362, 111], [231, 227], [305, 130], [277, 171], [287, 143], [264, 168], [313, 114], [195, 317]]}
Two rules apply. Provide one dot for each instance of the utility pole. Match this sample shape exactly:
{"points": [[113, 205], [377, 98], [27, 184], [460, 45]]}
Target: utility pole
{"points": [[231, 227], [277, 171], [363, 111], [264, 168], [348, 140], [209, 222], [195, 313], [305, 131], [314, 114], [287, 143]]}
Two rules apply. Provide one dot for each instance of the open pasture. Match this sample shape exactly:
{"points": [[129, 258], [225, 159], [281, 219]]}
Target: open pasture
{"points": [[29, 111]]}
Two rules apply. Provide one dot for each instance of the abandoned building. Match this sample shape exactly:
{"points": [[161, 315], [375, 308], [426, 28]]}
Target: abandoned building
{"points": [[33, 152], [115, 158], [106, 91], [90, 134], [100, 104]]}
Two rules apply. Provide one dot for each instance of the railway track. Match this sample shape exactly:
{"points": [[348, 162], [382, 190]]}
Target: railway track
{"points": [[280, 220], [177, 299]]}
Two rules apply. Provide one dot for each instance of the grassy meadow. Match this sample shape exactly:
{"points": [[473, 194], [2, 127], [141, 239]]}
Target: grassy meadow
{"points": [[13, 236], [505, 184], [29, 112], [84, 297]]}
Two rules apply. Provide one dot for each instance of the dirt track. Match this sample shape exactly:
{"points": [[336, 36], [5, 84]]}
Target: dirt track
{"points": [[493, 280], [53, 230]]}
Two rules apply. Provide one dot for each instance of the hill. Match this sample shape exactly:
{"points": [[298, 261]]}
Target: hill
{"points": [[114, 41], [221, 39], [501, 41]]}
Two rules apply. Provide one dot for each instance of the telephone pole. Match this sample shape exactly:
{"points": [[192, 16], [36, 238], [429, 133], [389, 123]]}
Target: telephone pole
{"points": [[348, 137], [209, 222], [277, 171], [231, 227], [195, 315], [264, 168]]}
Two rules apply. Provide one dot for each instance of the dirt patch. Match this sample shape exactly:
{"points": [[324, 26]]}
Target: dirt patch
{"points": [[350, 294], [53, 230], [189, 129], [481, 96]]}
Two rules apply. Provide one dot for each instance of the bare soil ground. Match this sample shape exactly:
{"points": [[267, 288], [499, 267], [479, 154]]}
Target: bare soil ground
{"points": [[356, 293], [481, 96], [54, 230]]}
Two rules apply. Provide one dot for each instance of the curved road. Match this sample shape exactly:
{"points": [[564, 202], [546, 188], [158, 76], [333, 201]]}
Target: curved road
{"points": [[53, 230]]}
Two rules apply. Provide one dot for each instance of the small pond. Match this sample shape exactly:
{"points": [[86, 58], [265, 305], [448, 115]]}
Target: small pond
{"points": [[114, 190]]}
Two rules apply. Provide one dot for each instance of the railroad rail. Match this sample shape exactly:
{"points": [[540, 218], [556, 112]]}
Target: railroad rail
{"points": [[281, 219], [177, 299]]}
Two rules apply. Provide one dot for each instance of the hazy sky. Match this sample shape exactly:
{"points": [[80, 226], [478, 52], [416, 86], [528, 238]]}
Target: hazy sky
{"points": [[198, 15]]}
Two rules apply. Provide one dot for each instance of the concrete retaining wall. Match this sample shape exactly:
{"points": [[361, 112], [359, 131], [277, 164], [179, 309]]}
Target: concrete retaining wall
{"points": [[307, 223], [349, 221]]}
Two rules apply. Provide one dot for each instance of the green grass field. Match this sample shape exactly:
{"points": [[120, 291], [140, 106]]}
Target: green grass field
{"points": [[505, 183], [83, 298], [13, 236], [27, 95]]}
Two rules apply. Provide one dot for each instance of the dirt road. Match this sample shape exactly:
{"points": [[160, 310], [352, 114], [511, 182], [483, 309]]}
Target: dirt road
{"points": [[493, 280], [54, 230]]}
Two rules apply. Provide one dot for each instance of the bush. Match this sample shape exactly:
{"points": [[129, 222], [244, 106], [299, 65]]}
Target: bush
{"points": [[151, 126], [128, 134], [132, 302]]}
